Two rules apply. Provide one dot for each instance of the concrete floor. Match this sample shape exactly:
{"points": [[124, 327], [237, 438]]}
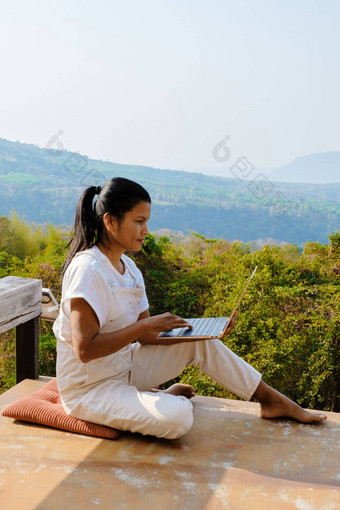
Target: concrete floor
{"points": [[231, 459]]}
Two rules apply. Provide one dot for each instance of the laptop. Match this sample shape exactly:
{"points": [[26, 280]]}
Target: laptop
{"points": [[205, 328]]}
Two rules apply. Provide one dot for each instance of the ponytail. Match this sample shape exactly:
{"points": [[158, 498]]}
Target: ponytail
{"points": [[117, 197], [84, 233]]}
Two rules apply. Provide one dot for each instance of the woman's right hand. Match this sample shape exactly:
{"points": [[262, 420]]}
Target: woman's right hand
{"points": [[166, 322]]}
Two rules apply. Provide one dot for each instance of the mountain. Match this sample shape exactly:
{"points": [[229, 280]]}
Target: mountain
{"points": [[320, 168], [44, 185]]}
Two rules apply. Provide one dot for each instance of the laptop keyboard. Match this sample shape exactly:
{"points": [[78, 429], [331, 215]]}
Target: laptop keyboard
{"points": [[201, 327]]}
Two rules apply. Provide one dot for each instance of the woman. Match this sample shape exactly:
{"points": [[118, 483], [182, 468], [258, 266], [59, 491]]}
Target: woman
{"points": [[110, 358]]}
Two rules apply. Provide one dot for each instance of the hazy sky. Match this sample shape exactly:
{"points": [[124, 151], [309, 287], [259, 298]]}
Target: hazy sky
{"points": [[161, 82]]}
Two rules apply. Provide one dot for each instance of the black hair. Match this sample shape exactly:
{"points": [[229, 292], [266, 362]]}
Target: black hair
{"points": [[117, 197]]}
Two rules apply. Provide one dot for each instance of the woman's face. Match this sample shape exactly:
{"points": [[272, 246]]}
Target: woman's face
{"points": [[131, 232]]}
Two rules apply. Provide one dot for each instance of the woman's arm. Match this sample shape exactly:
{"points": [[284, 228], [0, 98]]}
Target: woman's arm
{"points": [[89, 344]]}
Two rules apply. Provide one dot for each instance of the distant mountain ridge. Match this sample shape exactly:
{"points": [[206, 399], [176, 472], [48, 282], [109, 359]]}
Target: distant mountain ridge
{"points": [[319, 168], [44, 185]]}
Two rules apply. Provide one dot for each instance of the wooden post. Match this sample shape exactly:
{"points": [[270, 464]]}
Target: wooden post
{"points": [[20, 307], [27, 350]]}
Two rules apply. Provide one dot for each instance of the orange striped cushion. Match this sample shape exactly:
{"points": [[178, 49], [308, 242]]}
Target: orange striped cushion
{"points": [[45, 407]]}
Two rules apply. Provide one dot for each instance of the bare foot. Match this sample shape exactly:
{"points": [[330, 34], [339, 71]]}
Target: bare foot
{"points": [[276, 405], [181, 389]]}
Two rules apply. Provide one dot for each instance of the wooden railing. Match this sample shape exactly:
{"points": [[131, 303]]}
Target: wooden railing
{"points": [[20, 307]]}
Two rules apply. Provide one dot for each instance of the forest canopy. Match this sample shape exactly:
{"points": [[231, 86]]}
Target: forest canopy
{"points": [[288, 325], [45, 185]]}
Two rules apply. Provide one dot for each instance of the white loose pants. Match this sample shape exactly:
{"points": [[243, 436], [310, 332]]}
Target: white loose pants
{"points": [[128, 404]]}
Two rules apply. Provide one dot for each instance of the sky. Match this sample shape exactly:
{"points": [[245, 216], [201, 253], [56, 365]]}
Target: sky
{"points": [[162, 82]]}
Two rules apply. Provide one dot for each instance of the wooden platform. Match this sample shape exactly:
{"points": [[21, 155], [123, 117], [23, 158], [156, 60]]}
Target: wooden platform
{"points": [[231, 459]]}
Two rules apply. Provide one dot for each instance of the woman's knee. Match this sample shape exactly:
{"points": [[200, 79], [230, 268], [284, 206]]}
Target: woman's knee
{"points": [[179, 420]]}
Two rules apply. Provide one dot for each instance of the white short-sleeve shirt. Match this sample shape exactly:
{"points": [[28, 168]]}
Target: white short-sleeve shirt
{"points": [[91, 276]]}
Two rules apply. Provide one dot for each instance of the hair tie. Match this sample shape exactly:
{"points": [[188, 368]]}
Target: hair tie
{"points": [[98, 190]]}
